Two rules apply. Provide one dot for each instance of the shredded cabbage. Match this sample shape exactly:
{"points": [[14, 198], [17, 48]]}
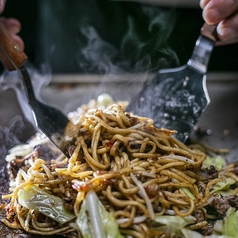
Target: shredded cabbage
{"points": [[32, 197], [94, 221], [230, 223], [223, 187], [217, 161], [174, 224], [19, 150]]}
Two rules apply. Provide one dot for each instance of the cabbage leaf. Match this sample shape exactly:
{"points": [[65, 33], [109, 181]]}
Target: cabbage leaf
{"points": [[230, 223], [33, 197], [218, 162], [173, 224], [94, 221], [223, 187]]}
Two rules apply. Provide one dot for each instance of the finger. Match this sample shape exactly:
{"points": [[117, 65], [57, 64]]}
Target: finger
{"points": [[19, 42], [228, 42], [2, 5], [218, 10], [203, 3], [12, 24], [228, 29]]}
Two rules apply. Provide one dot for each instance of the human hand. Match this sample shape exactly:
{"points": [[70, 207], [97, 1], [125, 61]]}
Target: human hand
{"points": [[224, 14], [13, 26]]}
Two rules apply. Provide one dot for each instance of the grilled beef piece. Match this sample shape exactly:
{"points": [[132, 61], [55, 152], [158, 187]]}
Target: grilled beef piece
{"points": [[200, 215], [212, 173], [233, 201], [221, 204], [208, 229]]}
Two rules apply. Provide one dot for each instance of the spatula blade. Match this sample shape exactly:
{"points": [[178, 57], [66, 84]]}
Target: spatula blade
{"points": [[175, 98], [52, 123], [49, 120]]}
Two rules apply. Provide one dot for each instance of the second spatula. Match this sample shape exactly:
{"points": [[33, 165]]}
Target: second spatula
{"points": [[49, 120]]}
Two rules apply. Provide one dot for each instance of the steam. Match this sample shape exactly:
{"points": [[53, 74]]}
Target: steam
{"points": [[96, 53], [144, 46], [19, 128], [12, 81], [9, 134], [143, 50], [13, 133]]}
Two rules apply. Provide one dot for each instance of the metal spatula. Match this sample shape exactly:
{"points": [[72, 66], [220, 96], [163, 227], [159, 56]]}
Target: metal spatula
{"points": [[175, 98], [49, 120]]}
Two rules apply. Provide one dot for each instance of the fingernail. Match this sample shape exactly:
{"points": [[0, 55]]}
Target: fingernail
{"points": [[226, 33]]}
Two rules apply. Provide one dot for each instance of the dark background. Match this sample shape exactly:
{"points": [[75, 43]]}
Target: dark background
{"points": [[52, 32]]}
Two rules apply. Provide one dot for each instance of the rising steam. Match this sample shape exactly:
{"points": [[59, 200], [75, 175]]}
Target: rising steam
{"points": [[143, 49]]}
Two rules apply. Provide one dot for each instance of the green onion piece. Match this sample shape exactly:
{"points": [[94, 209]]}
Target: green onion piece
{"points": [[187, 191]]}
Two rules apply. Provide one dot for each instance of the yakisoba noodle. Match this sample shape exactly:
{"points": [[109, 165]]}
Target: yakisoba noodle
{"points": [[137, 171]]}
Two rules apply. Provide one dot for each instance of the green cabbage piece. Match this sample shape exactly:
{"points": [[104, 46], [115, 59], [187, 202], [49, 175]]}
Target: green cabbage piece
{"points": [[218, 162], [223, 187], [173, 224], [94, 221], [34, 198], [104, 100], [230, 225], [19, 150]]}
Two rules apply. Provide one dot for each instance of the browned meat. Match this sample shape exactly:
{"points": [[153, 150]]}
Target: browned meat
{"points": [[208, 229], [221, 204]]}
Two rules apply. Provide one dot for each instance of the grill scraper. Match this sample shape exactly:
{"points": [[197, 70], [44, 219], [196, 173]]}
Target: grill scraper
{"points": [[175, 98], [49, 120]]}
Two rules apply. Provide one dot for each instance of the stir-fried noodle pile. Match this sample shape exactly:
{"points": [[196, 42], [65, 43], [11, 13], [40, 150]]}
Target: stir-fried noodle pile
{"points": [[138, 172]]}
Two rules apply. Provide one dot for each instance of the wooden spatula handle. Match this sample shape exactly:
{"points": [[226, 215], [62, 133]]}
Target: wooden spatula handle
{"points": [[210, 32], [9, 45]]}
